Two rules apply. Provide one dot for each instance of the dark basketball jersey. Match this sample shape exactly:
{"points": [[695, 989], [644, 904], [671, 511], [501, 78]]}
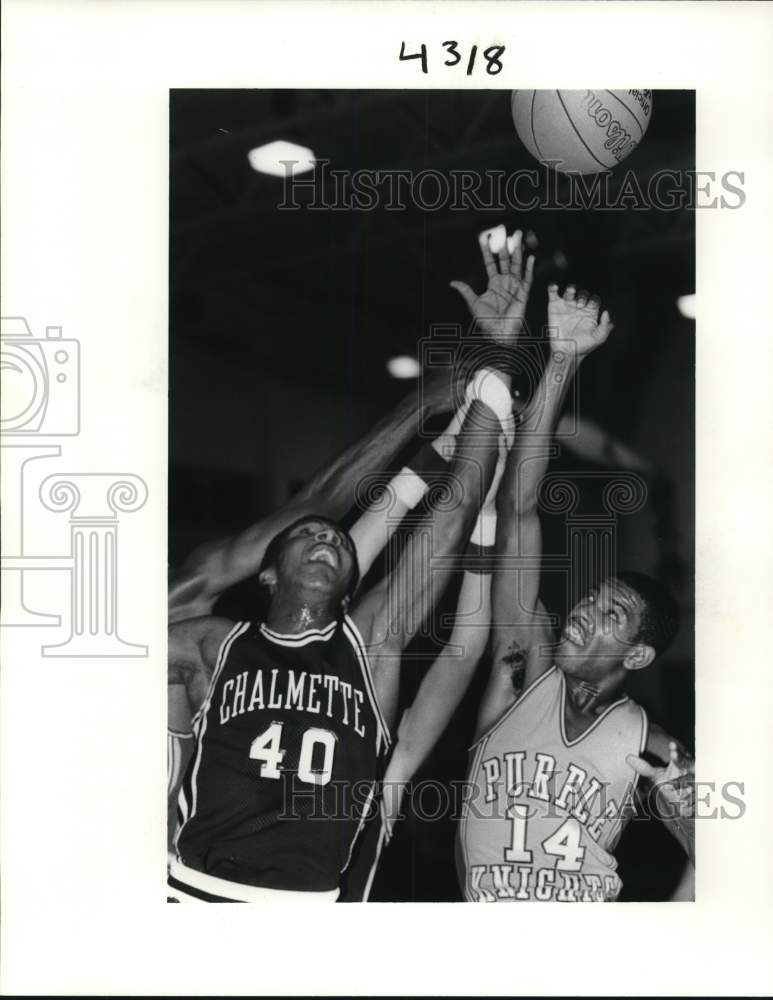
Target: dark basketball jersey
{"points": [[287, 747]]}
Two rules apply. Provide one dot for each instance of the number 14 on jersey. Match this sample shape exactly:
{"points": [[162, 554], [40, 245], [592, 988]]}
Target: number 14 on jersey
{"points": [[563, 844]]}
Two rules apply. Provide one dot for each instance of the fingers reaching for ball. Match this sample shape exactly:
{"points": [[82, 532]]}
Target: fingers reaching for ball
{"points": [[503, 254]]}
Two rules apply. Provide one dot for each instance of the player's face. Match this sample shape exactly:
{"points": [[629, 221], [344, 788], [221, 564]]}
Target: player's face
{"points": [[318, 555], [599, 631]]}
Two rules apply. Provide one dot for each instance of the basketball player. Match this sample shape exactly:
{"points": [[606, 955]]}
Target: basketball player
{"points": [[214, 567], [559, 746], [297, 707], [559, 743]]}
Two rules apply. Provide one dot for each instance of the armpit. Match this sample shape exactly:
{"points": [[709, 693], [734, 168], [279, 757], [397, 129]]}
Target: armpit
{"points": [[514, 661]]}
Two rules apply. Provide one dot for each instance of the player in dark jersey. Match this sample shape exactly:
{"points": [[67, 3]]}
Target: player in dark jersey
{"points": [[214, 567], [288, 737], [297, 707]]}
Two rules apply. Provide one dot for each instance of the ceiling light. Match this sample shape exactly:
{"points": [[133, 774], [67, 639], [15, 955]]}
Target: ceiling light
{"points": [[403, 366], [686, 306], [272, 159]]}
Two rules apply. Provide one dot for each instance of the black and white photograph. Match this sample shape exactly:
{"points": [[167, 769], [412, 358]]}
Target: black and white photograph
{"points": [[431, 536], [385, 436]]}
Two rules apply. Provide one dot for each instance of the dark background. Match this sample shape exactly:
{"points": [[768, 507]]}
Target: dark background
{"points": [[281, 324]]}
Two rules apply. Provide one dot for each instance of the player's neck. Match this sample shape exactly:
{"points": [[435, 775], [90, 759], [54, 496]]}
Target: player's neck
{"points": [[592, 696], [292, 616]]}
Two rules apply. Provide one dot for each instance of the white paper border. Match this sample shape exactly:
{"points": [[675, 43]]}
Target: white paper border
{"points": [[85, 167]]}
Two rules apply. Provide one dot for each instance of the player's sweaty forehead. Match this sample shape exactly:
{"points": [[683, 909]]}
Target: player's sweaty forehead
{"points": [[614, 592], [619, 591]]}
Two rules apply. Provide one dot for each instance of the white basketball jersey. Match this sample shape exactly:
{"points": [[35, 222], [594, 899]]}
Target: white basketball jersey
{"points": [[544, 812]]}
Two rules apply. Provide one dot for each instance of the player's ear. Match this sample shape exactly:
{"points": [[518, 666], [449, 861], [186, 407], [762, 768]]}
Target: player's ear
{"points": [[345, 604], [639, 656], [268, 577]]}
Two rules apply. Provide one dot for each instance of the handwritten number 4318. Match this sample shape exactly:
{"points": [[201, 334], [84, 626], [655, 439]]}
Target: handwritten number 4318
{"points": [[492, 55]]}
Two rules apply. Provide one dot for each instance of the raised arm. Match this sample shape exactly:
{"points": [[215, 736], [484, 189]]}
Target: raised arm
{"points": [[390, 614], [377, 524], [499, 315], [447, 680], [519, 623], [214, 567]]}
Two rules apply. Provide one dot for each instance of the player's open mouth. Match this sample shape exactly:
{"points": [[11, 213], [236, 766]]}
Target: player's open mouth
{"points": [[322, 552], [575, 632]]}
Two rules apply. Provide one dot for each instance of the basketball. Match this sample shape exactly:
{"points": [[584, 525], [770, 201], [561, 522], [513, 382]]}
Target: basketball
{"points": [[581, 131]]}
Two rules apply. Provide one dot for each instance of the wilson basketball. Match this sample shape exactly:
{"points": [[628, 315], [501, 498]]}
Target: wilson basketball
{"points": [[581, 131]]}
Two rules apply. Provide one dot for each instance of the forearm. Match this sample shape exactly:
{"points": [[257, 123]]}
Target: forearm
{"points": [[491, 382], [446, 682], [519, 535], [374, 528], [528, 461], [214, 567], [448, 529], [334, 486], [438, 698], [390, 614]]}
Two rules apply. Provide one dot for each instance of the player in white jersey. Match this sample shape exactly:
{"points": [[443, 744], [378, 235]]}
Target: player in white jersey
{"points": [[546, 810], [558, 747]]}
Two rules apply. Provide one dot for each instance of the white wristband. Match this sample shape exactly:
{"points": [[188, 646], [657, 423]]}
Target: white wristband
{"points": [[408, 486], [485, 531]]}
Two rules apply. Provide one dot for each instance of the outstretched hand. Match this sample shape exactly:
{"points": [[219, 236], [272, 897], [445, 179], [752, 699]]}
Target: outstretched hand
{"points": [[674, 784], [574, 326], [499, 311]]}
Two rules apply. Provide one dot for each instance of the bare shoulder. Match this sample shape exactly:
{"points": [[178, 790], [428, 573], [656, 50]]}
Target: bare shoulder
{"points": [[195, 642]]}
